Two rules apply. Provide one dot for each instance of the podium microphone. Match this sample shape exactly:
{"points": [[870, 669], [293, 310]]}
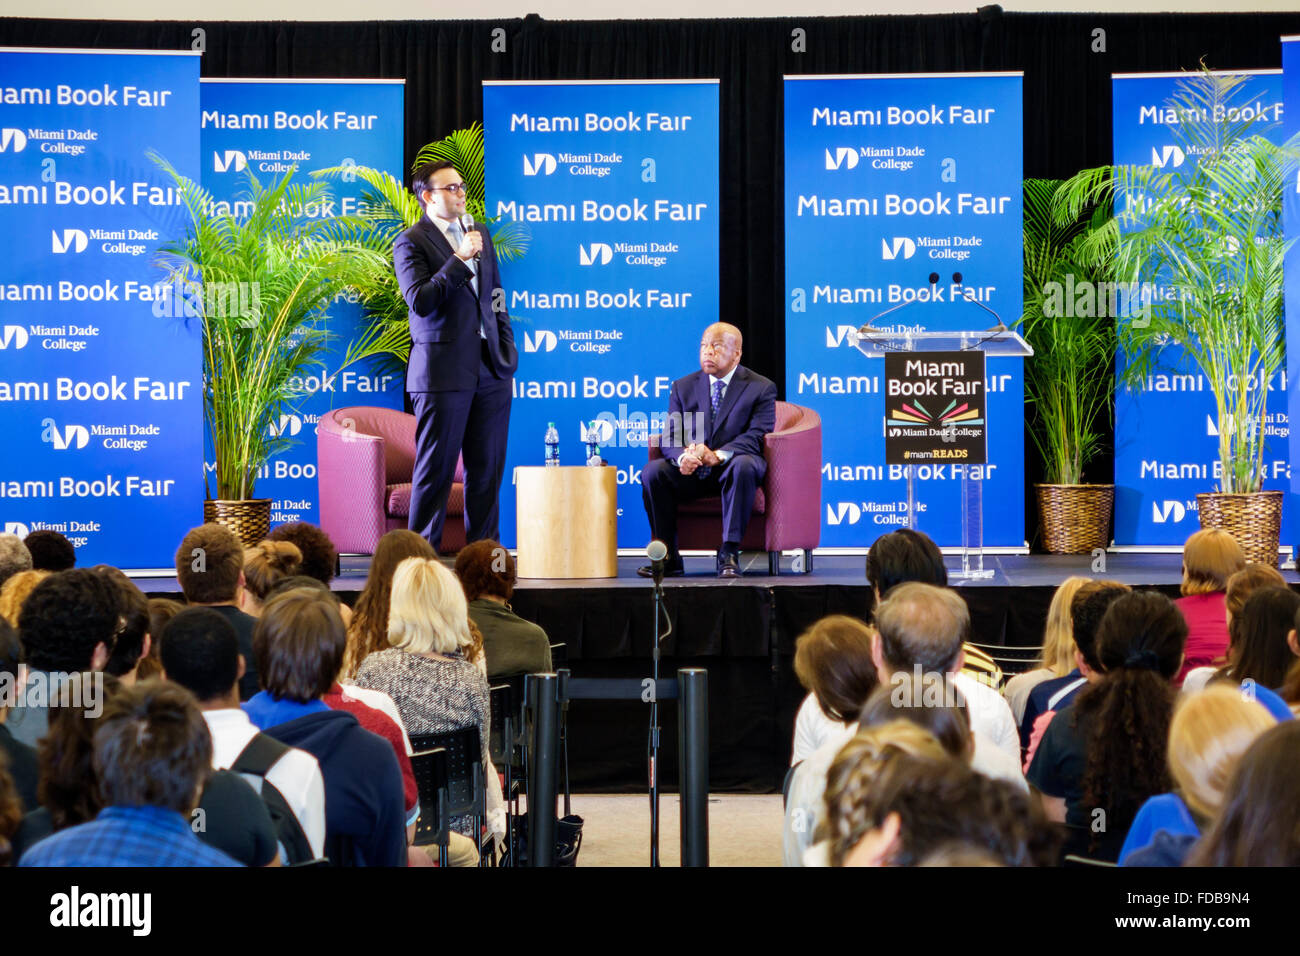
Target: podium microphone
{"points": [[956, 280], [870, 325], [657, 552]]}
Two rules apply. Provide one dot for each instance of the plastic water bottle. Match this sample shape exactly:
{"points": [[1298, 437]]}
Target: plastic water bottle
{"points": [[552, 446], [592, 439]]}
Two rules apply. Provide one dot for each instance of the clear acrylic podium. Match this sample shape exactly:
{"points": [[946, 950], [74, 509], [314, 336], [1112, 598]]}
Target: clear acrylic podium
{"points": [[1003, 343]]}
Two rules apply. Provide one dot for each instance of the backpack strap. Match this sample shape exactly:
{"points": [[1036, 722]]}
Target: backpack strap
{"points": [[262, 753]]}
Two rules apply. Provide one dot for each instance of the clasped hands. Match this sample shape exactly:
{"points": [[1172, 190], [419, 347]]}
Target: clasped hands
{"points": [[695, 456]]}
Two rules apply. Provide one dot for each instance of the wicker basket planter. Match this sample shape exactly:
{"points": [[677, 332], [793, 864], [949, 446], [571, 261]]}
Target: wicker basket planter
{"points": [[250, 520], [1075, 519], [1255, 520]]}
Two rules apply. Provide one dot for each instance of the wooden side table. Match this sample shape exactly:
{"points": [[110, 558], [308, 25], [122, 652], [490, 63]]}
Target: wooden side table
{"points": [[567, 521]]}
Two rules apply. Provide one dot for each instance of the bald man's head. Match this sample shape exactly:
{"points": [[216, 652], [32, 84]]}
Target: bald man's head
{"points": [[720, 348]]}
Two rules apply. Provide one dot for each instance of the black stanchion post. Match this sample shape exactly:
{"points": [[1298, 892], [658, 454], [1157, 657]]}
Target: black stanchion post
{"points": [[541, 694], [693, 760]]}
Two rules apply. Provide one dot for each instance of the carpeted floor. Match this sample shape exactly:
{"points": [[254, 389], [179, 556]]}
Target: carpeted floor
{"points": [[744, 829]]}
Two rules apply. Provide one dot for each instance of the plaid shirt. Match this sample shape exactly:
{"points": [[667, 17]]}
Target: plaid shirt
{"points": [[127, 836]]}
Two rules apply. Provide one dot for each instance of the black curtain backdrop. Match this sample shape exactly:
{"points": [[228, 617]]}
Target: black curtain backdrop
{"points": [[1067, 60]]}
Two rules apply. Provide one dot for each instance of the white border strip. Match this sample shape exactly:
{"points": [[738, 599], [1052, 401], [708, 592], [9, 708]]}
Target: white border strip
{"points": [[34, 49], [283, 80], [1184, 73], [894, 76], [601, 82]]}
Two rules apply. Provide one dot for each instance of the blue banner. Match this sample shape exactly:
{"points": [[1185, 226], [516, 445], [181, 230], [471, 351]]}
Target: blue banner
{"points": [[617, 183], [269, 127], [1166, 434], [1291, 296], [890, 179], [99, 396]]}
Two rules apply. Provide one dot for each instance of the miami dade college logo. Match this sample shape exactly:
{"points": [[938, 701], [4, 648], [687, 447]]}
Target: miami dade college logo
{"points": [[1168, 155], [13, 335], [16, 527], [12, 140], [836, 513], [230, 161], [889, 249], [844, 157], [73, 239], [543, 163], [539, 341], [287, 426], [836, 337], [71, 436], [1162, 511], [598, 253]]}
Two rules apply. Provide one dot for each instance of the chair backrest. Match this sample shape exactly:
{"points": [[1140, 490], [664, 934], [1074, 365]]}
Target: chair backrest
{"points": [[466, 792], [395, 427], [430, 770], [503, 701]]}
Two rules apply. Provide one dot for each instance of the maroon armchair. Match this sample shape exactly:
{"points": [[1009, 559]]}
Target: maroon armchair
{"points": [[364, 461], [787, 506]]}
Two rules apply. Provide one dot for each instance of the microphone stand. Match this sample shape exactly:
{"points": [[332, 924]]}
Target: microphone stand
{"points": [[654, 720]]}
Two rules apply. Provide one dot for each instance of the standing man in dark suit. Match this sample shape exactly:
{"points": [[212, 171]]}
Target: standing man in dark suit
{"points": [[712, 445], [463, 356]]}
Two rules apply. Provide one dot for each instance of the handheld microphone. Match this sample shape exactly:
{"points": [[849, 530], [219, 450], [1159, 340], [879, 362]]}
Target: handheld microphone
{"points": [[466, 224], [657, 552]]}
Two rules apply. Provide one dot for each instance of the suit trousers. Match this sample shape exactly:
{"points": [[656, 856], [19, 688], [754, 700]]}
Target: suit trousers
{"points": [[473, 425], [664, 487]]}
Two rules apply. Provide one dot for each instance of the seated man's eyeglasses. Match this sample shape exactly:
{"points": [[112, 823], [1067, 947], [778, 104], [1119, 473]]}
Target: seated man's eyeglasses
{"points": [[454, 188]]}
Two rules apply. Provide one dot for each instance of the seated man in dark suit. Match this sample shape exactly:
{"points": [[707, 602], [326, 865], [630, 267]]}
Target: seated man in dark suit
{"points": [[712, 445]]}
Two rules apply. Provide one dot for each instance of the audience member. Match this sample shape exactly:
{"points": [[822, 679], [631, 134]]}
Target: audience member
{"points": [[199, 651], [934, 704], [921, 628], [1105, 753], [426, 673], [904, 808], [1259, 653], [14, 592], [906, 555], [1087, 608], [299, 644], [68, 624], [265, 566], [21, 758], [832, 660], [14, 556], [1240, 587], [161, 610], [11, 812], [511, 645], [210, 569], [1210, 557], [319, 556], [50, 551], [1259, 824], [1057, 658], [369, 629], [134, 639], [152, 756], [1210, 731]]}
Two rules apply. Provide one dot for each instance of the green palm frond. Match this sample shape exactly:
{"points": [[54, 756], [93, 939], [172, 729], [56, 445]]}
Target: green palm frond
{"points": [[260, 283], [1206, 236]]}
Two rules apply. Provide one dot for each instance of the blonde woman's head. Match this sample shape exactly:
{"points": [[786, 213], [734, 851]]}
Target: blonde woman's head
{"points": [[1058, 635], [1210, 731], [1210, 557], [428, 612]]}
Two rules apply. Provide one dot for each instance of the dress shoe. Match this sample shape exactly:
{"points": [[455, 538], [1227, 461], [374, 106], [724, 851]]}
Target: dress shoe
{"points": [[673, 568], [728, 564]]}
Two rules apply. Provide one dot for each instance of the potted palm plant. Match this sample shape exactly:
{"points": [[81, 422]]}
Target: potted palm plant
{"points": [[1068, 383], [388, 208], [260, 285], [1209, 235]]}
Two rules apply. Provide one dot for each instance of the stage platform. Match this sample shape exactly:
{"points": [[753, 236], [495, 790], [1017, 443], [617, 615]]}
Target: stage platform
{"points": [[743, 632]]}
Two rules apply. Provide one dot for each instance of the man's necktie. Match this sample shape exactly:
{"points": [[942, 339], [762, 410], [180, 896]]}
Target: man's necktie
{"points": [[715, 400]]}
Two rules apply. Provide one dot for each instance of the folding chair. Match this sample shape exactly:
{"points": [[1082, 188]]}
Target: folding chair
{"points": [[466, 783], [504, 747], [430, 770]]}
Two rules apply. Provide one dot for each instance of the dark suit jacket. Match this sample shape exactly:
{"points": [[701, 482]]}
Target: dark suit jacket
{"points": [[445, 313], [747, 413]]}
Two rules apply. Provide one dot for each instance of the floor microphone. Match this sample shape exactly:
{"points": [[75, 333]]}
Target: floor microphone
{"points": [[657, 552]]}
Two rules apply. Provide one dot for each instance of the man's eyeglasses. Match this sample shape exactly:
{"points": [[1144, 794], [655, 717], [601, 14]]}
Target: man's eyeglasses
{"points": [[454, 188]]}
